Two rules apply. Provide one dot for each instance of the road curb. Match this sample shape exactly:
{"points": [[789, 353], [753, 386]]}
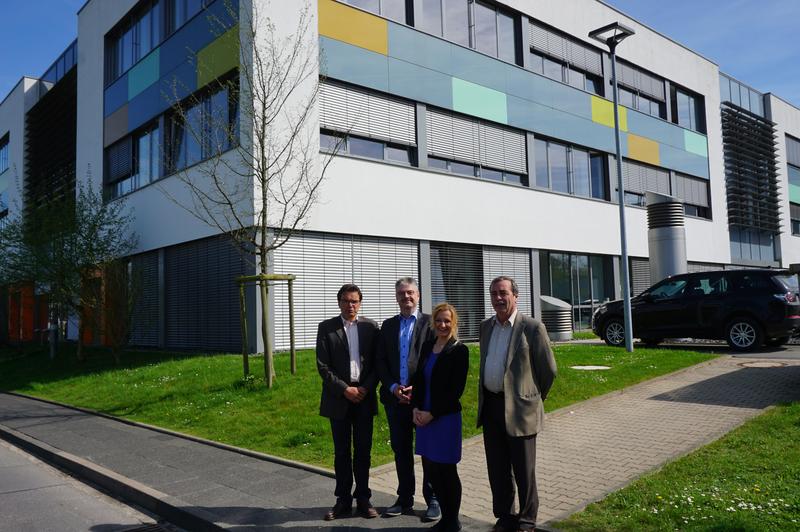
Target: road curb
{"points": [[240, 450], [170, 508]]}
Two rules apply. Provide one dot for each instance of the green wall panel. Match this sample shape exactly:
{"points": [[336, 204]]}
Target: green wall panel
{"points": [[794, 193], [219, 57], [144, 74], [480, 101], [695, 143]]}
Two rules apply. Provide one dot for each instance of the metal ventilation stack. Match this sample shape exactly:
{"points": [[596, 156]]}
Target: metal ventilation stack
{"points": [[666, 236]]}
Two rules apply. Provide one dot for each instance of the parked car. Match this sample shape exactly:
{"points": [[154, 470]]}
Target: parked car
{"points": [[747, 308]]}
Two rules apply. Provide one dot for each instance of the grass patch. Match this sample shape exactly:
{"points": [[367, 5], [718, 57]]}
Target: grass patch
{"points": [[205, 395], [749, 480], [584, 335]]}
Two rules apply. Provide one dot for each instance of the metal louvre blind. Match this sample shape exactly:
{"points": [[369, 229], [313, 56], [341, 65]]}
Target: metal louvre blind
{"points": [[634, 78], [573, 52], [462, 138], [793, 151], [456, 277], [119, 160], [144, 317], [367, 113], [323, 263], [794, 211], [640, 276], [640, 178], [514, 263], [691, 190], [202, 297]]}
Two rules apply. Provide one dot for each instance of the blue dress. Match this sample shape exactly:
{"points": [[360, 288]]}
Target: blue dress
{"points": [[439, 440]]}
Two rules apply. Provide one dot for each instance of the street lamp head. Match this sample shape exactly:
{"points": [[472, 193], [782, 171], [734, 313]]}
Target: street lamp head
{"points": [[611, 34]]}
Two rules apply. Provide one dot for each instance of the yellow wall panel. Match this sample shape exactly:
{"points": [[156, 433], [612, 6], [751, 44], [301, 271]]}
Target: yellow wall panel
{"points": [[644, 150], [353, 26], [603, 113]]}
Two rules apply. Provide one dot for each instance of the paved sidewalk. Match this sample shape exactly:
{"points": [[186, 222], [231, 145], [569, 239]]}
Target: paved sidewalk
{"points": [[598, 446], [223, 488]]}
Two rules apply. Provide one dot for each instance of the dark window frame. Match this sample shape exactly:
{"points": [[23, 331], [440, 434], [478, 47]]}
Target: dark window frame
{"points": [[566, 72], [570, 151], [344, 147]]}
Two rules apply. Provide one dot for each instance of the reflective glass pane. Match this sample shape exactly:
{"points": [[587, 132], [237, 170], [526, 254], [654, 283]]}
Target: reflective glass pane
{"points": [[435, 162], [724, 88], [155, 25], [485, 29], [144, 158], [756, 103], [394, 9], [330, 142], [127, 50], [535, 61], [155, 154], [581, 179], [557, 157], [462, 168], [576, 79], [219, 123], [513, 178], [626, 97], [493, 175], [193, 7], [735, 93], [542, 179], [794, 175], [428, 16], [365, 148], [602, 279], [553, 70], [145, 36], [368, 5], [456, 21], [507, 41], [560, 275], [684, 112], [745, 96], [400, 154], [193, 132], [598, 171], [594, 85]]}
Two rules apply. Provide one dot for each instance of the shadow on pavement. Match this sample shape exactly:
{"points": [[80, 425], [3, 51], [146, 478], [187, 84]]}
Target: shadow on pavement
{"points": [[743, 388]]}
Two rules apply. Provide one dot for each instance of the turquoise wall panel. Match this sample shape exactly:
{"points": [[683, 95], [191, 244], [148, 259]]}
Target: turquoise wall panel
{"points": [[420, 84], [695, 143], [353, 64], [144, 74], [794, 193], [477, 100]]}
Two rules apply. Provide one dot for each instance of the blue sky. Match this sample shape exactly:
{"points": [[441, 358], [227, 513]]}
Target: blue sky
{"points": [[755, 41]]}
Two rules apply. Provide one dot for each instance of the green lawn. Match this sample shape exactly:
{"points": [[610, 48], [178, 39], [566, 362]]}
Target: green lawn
{"points": [[205, 395], [749, 480]]}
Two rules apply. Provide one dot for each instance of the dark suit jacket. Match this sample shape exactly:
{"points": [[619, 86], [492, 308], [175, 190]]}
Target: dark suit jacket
{"points": [[530, 371], [333, 364], [388, 354], [448, 378]]}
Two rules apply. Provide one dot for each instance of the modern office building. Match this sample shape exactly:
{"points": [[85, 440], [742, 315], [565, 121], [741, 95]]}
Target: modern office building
{"points": [[474, 138]]}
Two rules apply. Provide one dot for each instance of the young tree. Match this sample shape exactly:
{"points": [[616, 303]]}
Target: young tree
{"points": [[62, 246], [262, 166]]}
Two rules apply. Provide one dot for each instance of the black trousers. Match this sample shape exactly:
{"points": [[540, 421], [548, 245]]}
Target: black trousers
{"points": [[401, 432], [447, 486], [505, 454], [352, 433]]}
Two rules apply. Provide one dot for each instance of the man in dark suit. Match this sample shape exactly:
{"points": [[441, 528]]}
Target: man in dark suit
{"points": [[401, 338], [517, 370], [345, 361]]}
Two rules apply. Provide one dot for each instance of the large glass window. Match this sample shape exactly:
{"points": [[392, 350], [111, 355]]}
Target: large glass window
{"points": [[134, 39], [4, 154], [570, 170], [456, 21], [133, 162], [565, 73], [584, 281], [393, 9], [688, 109], [485, 29], [366, 147], [428, 16]]}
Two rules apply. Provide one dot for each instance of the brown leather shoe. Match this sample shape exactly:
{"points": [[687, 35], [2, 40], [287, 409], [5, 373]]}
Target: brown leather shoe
{"points": [[340, 509], [366, 510]]}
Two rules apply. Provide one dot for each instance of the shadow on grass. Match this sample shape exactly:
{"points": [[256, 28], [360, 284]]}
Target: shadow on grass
{"points": [[22, 367]]}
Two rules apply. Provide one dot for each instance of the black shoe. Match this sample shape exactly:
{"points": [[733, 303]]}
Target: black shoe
{"points": [[340, 509], [434, 513], [366, 510], [398, 508]]}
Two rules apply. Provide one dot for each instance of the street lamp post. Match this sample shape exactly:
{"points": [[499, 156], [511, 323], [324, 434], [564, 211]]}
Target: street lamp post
{"points": [[611, 35]]}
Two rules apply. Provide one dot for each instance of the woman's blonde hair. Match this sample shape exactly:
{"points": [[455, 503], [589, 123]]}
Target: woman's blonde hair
{"points": [[441, 307]]}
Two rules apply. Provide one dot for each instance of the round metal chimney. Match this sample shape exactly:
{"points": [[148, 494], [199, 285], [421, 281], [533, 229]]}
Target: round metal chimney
{"points": [[666, 236]]}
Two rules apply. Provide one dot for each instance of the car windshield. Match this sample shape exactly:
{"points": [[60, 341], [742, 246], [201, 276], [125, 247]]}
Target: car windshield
{"points": [[787, 281], [669, 288]]}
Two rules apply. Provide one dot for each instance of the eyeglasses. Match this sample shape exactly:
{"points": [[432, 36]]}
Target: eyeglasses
{"points": [[350, 301]]}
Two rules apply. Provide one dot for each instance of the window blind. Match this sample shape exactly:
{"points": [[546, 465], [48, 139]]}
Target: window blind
{"points": [[640, 178], [119, 160], [367, 113], [793, 151], [568, 50], [635, 78], [691, 190], [514, 263]]}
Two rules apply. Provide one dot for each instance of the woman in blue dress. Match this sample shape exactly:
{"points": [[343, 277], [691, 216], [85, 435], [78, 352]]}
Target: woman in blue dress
{"points": [[437, 411]]}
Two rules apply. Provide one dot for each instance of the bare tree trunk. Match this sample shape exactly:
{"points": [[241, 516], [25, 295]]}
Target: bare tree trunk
{"points": [[269, 370]]}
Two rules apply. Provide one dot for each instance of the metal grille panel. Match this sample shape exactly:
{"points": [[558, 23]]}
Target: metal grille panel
{"points": [[456, 277], [144, 319], [640, 275], [514, 263]]}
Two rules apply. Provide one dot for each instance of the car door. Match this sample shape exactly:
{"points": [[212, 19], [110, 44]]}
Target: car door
{"points": [[703, 302], [656, 308]]}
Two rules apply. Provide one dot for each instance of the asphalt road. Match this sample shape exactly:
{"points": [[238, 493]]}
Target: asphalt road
{"points": [[37, 497]]}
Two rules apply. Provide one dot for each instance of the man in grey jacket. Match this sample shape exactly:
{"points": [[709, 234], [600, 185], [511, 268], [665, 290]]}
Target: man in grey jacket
{"points": [[517, 370]]}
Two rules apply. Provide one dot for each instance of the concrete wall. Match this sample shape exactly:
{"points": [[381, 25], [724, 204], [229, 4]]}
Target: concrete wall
{"points": [[787, 122]]}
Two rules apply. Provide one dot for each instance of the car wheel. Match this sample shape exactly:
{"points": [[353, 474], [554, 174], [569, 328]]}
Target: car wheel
{"points": [[743, 334], [777, 342], [614, 332], [652, 342]]}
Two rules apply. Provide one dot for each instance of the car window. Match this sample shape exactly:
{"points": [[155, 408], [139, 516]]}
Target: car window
{"points": [[667, 289], [706, 285], [750, 281], [789, 282]]}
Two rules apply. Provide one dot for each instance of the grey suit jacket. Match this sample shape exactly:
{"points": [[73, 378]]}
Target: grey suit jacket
{"points": [[530, 371], [333, 364]]}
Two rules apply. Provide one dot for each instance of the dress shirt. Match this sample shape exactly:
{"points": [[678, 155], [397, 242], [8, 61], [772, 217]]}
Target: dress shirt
{"points": [[495, 368], [407, 325], [351, 331]]}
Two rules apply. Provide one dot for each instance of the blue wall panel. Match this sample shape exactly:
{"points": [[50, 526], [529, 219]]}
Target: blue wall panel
{"points": [[653, 128], [116, 95], [683, 161], [147, 104], [420, 84], [353, 64], [411, 46]]}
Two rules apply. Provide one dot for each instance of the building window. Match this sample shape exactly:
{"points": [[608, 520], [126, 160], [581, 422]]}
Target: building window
{"points": [[740, 95], [391, 9], [794, 210], [133, 39], [331, 141], [564, 59], [693, 193], [641, 90], [476, 170], [133, 162], [688, 109], [494, 31], [566, 73], [584, 281], [207, 125], [179, 12], [570, 170], [4, 153]]}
